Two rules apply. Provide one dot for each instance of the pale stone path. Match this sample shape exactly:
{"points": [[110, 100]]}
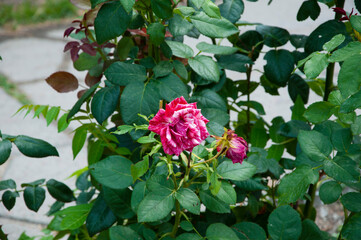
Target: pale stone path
{"points": [[30, 57]]}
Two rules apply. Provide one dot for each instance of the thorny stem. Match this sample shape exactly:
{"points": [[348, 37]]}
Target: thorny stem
{"points": [[211, 159], [178, 211], [99, 50], [248, 73], [328, 84]]}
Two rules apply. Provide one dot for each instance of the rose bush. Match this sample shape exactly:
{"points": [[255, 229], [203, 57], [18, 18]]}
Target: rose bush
{"points": [[185, 184]]}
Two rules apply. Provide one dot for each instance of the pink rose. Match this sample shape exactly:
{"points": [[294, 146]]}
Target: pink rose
{"points": [[236, 147], [181, 126]]}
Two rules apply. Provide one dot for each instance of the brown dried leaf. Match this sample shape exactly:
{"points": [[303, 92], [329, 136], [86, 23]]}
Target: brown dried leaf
{"points": [[90, 80], [63, 81]]}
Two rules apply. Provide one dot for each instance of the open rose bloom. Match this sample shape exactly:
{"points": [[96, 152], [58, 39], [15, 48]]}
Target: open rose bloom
{"points": [[181, 126]]}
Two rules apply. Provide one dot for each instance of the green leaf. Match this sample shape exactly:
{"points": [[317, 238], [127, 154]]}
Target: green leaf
{"points": [[205, 67], [94, 3], [351, 230], [113, 171], [139, 192], [123, 233], [219, 231], [79, 103], [311, 231], [342, 169], [100, 217], [63, 123], [249, 230], [316, 65], [330, 192], [279, 66], [212, 27], [197, 3], [86, 61], [79, 140], [209, 99], [310, 9], [352, 103], [323, 34], [95, 151], [127, 5], [33, 147], [163, 68], [9, 199], [253, 104], [236, 62], [356, 22], [104, 103], [156, 182], [124, 46], [189, 236], [232, 9], [156, 33], [294, 185], [34, 197], [279, 229], [351, 49], [186, 226], [180, 69], [5, 150], [273, 36], [315, 145], [213, 203], [188, 200], [111, 21], [162, 8], [298, 41], [236, 172], [259, 135], [60, 191], [349, 78], [216, 49], [297, 86], [140, 168], [227, 193], [7, 184], [318, 112], [122, 74], [356, 126], [73, 217], [118, 201], [334, 43], [180, 49], [155, 206], [179, 26], [52, 115], [292, 128], [341, 139], [34, 183], [352, 201], [139, 99], [211, 9]]}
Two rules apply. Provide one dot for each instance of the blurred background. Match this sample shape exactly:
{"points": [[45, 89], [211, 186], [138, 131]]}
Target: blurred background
{"points": [[31, 47]]}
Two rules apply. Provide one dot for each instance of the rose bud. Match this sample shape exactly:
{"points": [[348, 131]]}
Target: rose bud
{"points": [[235, 147]]}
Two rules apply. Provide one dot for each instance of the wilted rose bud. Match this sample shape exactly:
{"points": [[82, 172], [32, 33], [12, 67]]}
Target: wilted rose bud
{"points": [[181, 126], [236, 147]]}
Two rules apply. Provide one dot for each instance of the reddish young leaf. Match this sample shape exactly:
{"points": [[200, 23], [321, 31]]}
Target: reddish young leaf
{"points": [[71, 45], [90, 80], [81, 92], [63, 82]]}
